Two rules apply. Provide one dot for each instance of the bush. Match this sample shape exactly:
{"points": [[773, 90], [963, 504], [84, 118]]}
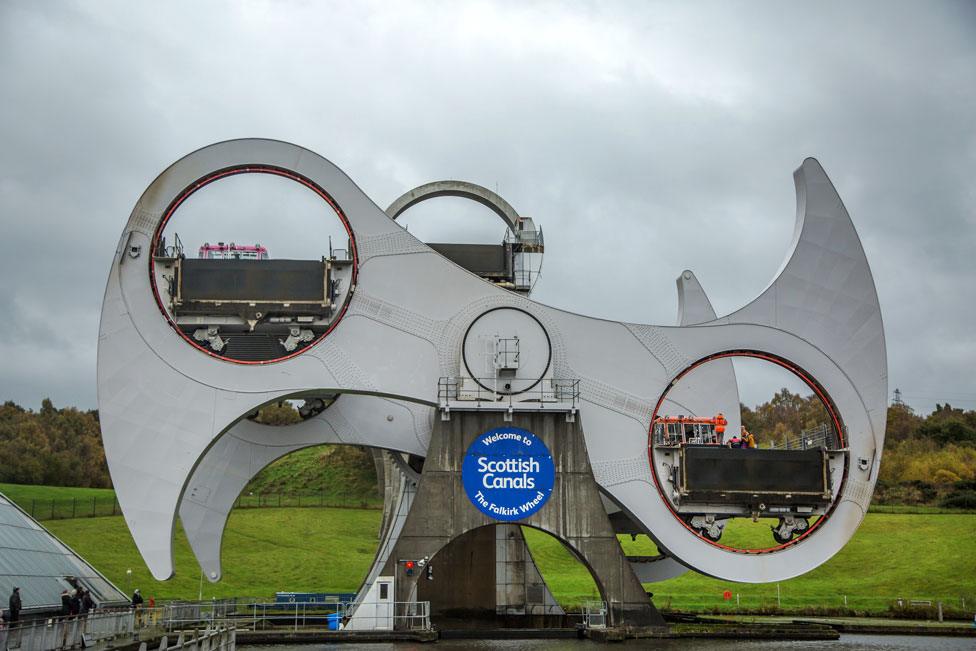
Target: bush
{"points": [[959, 500]]}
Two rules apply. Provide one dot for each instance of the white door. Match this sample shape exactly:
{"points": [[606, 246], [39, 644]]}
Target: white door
{"points": [[384, 603]]}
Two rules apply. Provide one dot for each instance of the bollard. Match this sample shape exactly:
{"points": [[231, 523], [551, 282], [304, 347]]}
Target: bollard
{"points": [[940, 611]]}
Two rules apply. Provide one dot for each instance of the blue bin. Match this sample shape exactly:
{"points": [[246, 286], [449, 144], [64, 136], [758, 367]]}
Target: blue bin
{"points": [[332, 619]]}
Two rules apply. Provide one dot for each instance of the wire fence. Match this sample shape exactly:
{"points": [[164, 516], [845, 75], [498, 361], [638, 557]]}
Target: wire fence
{"points": [[777, 600], [95, 507], [257, 613]]}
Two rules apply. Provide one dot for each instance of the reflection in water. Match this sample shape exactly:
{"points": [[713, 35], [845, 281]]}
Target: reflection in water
{"points": [[845, 643]]}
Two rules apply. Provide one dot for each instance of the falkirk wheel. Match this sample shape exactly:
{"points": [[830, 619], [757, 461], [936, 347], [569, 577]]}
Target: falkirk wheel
{"points": [[485, 409]]}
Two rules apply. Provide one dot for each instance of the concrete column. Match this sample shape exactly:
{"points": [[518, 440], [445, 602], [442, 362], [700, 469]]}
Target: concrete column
{"points": [[519, 586], [574, 514]]}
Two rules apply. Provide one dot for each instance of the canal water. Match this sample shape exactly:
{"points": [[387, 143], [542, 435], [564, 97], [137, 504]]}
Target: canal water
{"points": [[845, 643]]}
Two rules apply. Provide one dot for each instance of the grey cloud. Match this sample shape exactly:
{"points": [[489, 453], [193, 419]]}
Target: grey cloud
{"points": [[644, 137]]}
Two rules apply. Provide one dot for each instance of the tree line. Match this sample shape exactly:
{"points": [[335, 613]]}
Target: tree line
{"points": [[54, 447], [927, 459]]}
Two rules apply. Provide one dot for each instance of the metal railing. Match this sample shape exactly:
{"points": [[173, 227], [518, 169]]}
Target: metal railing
{"points": [[594, 614], [492, 391], [206, 640], [526, 238], [821, 436], [254, 615], [402, 615], [68, 632], [95, 507], [525, 279], [216, 617]]}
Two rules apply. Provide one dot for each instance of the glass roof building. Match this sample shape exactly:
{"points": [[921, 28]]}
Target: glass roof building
{"points": [[32, 559]]}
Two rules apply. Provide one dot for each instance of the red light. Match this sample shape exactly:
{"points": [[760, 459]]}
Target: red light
{"points": [[409, 565]]}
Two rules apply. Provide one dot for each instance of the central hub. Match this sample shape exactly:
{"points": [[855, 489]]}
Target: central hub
{"points": [[506, 351]]}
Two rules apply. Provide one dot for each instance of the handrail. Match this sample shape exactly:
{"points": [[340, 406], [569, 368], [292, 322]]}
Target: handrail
{"points": [[258, 616], [67, 632], [486, 390], [822, 435]]}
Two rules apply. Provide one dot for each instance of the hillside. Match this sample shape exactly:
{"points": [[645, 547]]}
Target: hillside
{"points": [[340, 472]]}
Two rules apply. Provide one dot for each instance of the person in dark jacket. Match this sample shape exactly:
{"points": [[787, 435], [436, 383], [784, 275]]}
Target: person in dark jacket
{"points": [[14, 607], [65, 603], [74, 605], [87, 603], [137, 600]]}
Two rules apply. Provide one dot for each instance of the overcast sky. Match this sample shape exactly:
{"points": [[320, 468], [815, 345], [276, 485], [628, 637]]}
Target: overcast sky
{"points": [[645, 138]]}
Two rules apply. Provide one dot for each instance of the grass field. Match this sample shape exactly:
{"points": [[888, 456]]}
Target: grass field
{"points": [[891, 557], [22, 494], [342, 473], [265, 550]]}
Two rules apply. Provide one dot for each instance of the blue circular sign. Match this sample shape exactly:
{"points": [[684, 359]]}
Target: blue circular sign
{"points": [[508, 473]]}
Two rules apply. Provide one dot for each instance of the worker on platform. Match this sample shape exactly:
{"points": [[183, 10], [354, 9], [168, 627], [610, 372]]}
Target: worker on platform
{"points": [[748, 440], [735, 442], [14, 606], [720, 424]]}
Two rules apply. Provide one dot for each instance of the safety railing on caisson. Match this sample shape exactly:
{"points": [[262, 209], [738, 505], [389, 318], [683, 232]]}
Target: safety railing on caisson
{"points": [[68, 632], [821, 436]]}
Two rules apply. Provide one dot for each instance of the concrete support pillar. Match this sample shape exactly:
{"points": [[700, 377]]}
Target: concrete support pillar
{"points": [[574, 514], [519, 586]]}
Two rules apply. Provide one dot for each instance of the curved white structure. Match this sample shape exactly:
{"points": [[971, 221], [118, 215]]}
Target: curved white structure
{"points": [[164, 403], [462, 189], [244, 450]]}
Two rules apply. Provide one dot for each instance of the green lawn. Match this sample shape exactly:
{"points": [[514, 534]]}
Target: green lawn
{"points": [[22, 494], [339, 474], [890, 557], [265, 550], [51, 502]]}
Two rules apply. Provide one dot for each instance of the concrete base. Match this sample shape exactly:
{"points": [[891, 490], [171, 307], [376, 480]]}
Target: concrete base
{"points": [[465, 576]]}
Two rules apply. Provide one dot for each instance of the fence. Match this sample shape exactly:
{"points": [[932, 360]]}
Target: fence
{"points": [[68, 632], [63, 509], [207, 640], [594, 614], [244, 615], [775, 599], [492, 391], [216, 617]]}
